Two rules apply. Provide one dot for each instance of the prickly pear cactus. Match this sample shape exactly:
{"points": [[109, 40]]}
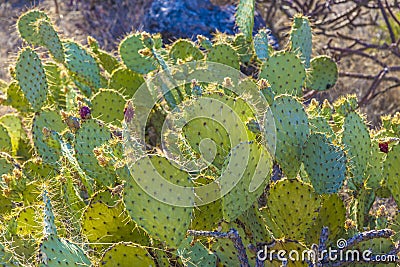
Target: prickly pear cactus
{"points": [[222, 163]]}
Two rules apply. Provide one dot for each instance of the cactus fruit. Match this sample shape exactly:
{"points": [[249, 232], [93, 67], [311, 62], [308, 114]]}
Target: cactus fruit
{"points": [[85, 112], [325, 164], [31, 77]]}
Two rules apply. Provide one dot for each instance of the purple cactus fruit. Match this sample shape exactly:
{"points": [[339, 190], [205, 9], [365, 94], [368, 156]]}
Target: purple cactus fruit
{"points": [[84, 112], [129, 112]]}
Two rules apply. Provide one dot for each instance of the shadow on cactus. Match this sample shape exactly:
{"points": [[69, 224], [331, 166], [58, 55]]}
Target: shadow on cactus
{"points": [[168, 155]]}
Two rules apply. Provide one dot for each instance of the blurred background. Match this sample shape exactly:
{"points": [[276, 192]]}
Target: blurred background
{"points": [[363, 36]]}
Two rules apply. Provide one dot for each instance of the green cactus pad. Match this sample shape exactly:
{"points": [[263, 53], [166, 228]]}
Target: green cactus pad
{"points": [[107, 60], [161, 220], [374, 170], [130, 51], [29, 223], [301, 38], [325, 164], [391, 172], [104, 224], [254, 225], [6, 165], [193, 255], [6, 205], [90, 136], [332, 215], [17, 99], [54, 251], [285, 72], [5, 139], [243, 48], [185, 50], [125, 81], [13, 125], [293, 206], [31, 77], [82, 64], [357, 142], [126, 255], [51, 120], [292, 130], [261, 44], [28, 28], [36, 169], [323, 73], [108, 106], [319, 124], [224, 54], [252, 182], [51, 40], [245, 17]]}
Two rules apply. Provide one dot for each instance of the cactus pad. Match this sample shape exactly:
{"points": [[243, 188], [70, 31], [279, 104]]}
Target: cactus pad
{"points": [[125, 81], [13, 125], [245, 17], [224, 54], [301, 38], [51, 40], [131, 49], [44, 145], [261, 45], [125, 255], [161, 220], [5, 139], [391, 172], [293, 206], [185, 50], [292, 130], [108, 106], [90, 136], [357, 142], [28, 28], [31, 77], [196, 254], [323, 75], [252, 181], [17, 99], [325, 164], [82, 64], [285, 72], [104, 224]]}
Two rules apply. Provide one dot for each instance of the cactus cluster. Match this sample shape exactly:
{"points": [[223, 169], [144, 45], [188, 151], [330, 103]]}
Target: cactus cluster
{"points": [[80, 187]]}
